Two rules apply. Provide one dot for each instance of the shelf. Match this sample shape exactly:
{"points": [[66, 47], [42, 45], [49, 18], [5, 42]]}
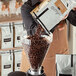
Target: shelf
{"points": [[16, 48], [10, 18]]}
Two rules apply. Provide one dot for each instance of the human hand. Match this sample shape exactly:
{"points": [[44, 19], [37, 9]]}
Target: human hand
{"points": [[65, 16], [74, 8]]}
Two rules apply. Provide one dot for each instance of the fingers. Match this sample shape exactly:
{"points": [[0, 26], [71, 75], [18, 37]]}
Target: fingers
{"points": [[65, 16], [74, 8]]}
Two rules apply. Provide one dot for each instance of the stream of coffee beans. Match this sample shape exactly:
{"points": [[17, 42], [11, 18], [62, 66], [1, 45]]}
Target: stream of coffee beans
{"points": [[38, 49]]}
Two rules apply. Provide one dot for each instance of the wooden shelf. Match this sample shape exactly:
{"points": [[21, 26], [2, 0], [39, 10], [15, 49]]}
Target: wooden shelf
{"points": [[16, 48], [10, 18]]}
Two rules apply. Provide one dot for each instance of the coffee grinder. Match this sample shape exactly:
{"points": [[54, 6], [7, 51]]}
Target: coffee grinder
{"points": [[36, 49]]}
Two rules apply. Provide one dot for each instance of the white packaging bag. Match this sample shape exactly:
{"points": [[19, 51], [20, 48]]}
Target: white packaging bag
{"points": [[66, 65], [6, 60], [18, 56], [12, 7], [52, 13], [6, 36], [18, 29]]}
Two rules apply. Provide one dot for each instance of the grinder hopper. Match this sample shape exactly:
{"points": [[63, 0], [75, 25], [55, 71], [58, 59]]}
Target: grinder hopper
{"points": [[36, 48]]}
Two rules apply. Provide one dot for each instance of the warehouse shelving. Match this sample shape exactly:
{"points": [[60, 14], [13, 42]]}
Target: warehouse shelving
{"points": [[11, 18], [15, 48], [10, 21]]}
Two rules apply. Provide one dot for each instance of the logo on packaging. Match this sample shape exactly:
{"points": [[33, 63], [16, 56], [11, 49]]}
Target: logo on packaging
{"points": [[7, 66], [55, 10]]}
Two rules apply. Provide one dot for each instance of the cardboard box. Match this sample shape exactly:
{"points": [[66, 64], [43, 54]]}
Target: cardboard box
{"points": [[6, 62], [18, 56], [18, 30], [6, 36]]}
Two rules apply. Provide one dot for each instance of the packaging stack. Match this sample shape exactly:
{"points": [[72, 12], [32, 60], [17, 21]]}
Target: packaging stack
{"points": [[11, 28], [10, 38], [10, 61], [10, 35]]}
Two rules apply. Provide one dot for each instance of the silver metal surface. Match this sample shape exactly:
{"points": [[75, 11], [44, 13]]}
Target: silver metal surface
{"points": [[35, 72]]}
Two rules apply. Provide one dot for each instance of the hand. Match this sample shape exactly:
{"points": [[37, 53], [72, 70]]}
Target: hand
{"points": [[65, 16], [74, 8], [68, 14]]}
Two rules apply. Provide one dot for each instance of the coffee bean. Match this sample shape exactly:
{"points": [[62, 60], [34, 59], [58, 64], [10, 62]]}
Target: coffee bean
{"points": [[38, 49]]}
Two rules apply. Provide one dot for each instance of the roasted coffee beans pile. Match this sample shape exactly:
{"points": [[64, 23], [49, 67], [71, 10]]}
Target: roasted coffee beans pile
{"points": [[38, 49]]}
